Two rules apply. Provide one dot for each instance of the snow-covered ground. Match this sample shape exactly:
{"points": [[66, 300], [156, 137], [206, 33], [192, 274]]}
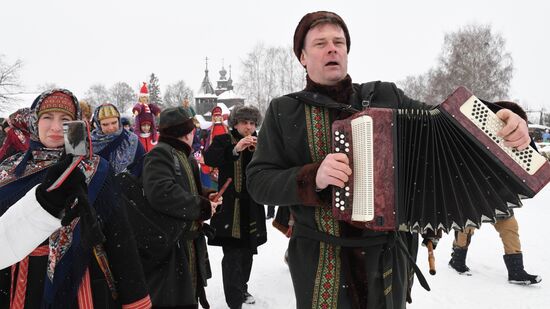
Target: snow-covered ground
{"points": [[487, 288]]}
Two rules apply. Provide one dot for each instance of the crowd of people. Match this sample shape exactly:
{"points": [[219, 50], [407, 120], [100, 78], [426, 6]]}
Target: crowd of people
{"points": [[76, 245]]}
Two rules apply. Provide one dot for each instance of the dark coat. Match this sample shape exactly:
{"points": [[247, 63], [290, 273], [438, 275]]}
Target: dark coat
{"points": [[121, 251], [177, 274], [282, 172], [241, 221]]}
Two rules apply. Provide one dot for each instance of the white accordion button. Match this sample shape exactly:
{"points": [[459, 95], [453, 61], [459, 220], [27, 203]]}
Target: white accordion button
{"points": [[342, 208]]}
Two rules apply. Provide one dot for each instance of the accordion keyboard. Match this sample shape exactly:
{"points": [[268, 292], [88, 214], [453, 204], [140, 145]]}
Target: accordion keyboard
{"points": [[342, 195], [363, 180], [488, 122]]}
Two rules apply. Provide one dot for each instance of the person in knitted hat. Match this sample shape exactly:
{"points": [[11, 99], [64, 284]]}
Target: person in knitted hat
{"points": [[144, 109], [171, 184], [116, 145], [147, 138], [240, 227], [293, 166], [74, 243]]}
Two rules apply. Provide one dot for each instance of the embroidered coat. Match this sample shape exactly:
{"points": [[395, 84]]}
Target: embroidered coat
{"points": [[293, 140], [177, 274], [240, 221]]}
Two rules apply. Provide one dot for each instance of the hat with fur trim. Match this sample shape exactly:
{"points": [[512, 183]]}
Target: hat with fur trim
{"points": [[241, 112]]}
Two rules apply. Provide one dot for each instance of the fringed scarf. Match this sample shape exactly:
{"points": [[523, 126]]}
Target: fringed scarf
{"points": [[118, 148]]}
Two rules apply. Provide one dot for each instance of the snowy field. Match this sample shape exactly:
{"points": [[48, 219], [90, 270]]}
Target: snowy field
{"points": [[487, 287]]}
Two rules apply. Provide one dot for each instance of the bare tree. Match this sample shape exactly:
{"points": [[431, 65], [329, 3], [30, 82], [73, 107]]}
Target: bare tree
{"points": [[97, 95], [473, 57], [123, 96], [10, 83], [46, 86], [176, 93], [269, 72]]}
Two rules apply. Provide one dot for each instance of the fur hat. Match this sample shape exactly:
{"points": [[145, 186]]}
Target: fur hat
{"points": [[175, 122], [241, 112], [58, 102], [313, 19]]}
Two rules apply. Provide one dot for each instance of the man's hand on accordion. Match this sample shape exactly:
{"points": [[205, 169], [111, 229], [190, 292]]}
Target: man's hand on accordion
{"points": [[334, 170], [515, 132]]}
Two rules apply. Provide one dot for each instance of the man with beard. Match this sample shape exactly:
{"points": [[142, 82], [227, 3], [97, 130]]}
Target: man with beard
{"points": [[240, 226]]}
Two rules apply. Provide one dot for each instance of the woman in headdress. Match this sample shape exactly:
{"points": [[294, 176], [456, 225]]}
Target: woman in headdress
{"points": [[115, 144], [91, 260], [17, 139]]}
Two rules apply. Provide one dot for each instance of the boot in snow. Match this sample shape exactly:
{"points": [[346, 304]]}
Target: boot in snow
{"points": [[516, 273], [458, 261]]}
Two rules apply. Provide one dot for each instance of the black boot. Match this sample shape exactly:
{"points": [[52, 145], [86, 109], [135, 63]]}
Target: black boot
{"points": [[458, 261], [516, 273]]}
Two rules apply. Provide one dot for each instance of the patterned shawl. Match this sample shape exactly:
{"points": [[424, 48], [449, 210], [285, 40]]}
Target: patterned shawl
{"points": [[67, 260], [118, 148]]}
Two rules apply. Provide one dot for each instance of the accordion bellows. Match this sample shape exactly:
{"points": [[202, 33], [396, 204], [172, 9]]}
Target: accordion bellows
{"points": [[428, 169]]}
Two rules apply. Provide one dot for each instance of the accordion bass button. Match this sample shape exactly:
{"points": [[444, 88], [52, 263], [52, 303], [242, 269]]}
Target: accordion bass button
{"points": [[342, 208]]}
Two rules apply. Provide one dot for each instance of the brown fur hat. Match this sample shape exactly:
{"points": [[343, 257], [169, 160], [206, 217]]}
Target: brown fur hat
{"points": [[241, 112]]}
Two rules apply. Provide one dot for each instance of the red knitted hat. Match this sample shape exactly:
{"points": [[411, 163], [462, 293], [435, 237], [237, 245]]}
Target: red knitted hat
{"points": [[58, 102]]}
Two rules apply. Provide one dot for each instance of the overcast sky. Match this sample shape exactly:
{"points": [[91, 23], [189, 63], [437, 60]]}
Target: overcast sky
{"points": [[75, 44]]}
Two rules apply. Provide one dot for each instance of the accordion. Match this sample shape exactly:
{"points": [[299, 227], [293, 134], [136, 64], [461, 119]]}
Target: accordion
{"points": [[434, 169]]}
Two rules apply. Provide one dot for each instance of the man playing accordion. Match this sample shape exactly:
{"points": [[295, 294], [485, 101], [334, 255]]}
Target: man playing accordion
{"points": [[333, 264]]}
